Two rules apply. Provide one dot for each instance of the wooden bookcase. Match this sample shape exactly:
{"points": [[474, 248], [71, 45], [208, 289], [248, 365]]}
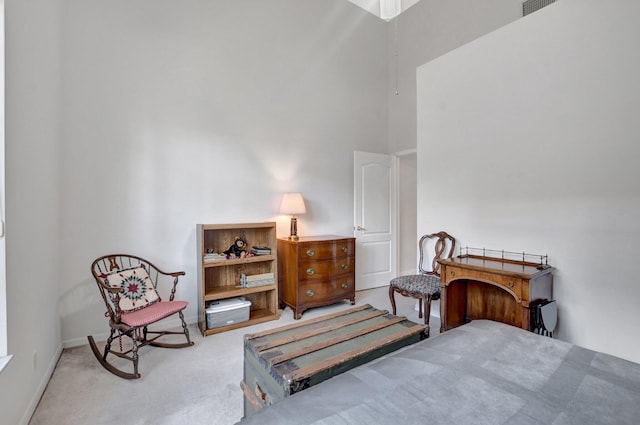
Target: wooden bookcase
{"points": [[219, 280]]}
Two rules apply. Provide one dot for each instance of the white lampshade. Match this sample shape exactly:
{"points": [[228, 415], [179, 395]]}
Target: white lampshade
{"points": [[292, 203]]}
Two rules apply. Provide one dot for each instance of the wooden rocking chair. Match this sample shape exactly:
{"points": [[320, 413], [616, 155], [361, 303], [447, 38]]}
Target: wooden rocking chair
{"points": [[128, 286]]}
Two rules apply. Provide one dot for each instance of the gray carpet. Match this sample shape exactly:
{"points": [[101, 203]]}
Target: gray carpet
{"points": [[196, 385]]}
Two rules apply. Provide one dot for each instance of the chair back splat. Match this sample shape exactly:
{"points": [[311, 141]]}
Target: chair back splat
{"points": [[424, 286], [129, 286], [442, 240]]}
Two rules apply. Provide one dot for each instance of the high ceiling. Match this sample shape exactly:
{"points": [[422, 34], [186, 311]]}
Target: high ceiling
{"points": [[373, 6]]}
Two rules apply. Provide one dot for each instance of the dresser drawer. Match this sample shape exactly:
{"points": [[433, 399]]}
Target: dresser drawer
{"points": [[323, 250], [512, 285], [339, 288], [325, 269]]}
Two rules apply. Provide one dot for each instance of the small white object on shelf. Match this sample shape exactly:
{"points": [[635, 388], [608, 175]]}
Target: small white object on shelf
{"points": [[257, 280], [213, 257]]}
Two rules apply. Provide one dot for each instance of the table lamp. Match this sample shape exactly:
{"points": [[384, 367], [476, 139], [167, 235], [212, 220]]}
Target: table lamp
{"points": [[292, 203]]}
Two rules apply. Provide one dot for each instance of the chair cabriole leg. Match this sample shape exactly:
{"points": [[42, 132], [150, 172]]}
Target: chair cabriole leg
{"points": [[427, 308], [392, 299]]}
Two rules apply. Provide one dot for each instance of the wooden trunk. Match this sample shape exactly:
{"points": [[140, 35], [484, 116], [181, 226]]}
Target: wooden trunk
{"points": [[286, 360]]}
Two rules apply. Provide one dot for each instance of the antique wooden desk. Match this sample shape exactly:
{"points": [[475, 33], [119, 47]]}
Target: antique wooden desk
{"points": [[486, 287]]}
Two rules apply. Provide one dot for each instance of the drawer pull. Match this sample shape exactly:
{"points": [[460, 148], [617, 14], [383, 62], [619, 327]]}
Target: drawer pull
{"points": [[344, 266], [344, 249], [344, 286], [310, 293], [311, 252], [453, 273], [310, 271], [510, 284]]}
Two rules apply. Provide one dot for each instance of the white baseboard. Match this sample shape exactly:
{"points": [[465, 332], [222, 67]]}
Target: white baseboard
{"points": [[102, 336], [77, 342], [33, 404]]}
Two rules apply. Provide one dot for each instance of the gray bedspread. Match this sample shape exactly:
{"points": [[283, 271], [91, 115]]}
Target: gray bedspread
{"points": [[481, 373]]}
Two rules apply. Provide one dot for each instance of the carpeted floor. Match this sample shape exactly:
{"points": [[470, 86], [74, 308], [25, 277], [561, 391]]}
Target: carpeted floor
{"points": [[196, 385]]}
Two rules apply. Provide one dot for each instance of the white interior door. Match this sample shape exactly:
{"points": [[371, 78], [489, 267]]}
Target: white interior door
{"points": [[375, 219]]}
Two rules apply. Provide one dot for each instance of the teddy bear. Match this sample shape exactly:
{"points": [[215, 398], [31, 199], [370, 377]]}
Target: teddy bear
{"points": [[237, 249]]}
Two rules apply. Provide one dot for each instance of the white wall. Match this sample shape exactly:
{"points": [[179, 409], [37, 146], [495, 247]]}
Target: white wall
{"points": [[174, 115], [407, 222], [180, 113], [425, 31], [33, 192], [535, 131], [429, 29], [3, 264]]}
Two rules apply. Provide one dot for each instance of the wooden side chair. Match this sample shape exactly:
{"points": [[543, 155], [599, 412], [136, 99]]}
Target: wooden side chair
{"points": [[128, 285], [424, 286]]}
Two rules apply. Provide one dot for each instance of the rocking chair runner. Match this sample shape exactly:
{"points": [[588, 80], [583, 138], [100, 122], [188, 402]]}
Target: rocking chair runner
{"points": [[426, 285], [128, 285]]}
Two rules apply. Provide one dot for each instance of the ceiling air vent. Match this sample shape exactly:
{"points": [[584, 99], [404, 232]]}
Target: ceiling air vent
{"points": [[531, 6]]}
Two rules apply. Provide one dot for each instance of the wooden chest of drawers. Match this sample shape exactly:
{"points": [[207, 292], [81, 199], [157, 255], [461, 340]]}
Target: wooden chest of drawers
{"points": [[316, 270]]}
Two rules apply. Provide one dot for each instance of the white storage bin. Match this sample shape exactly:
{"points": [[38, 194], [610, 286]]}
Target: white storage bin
{"points": [[227, 312]]}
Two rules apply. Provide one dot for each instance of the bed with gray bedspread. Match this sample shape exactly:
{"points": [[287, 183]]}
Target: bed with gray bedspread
{"points": [[484, 372]]}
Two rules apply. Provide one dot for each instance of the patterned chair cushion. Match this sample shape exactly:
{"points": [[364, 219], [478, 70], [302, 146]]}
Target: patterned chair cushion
{"points": [[137, 288], [423, 284]]}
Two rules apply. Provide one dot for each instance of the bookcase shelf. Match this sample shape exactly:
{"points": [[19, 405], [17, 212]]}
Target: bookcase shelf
{"points": [[220, 280], [227, 263], [232, 291]]}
